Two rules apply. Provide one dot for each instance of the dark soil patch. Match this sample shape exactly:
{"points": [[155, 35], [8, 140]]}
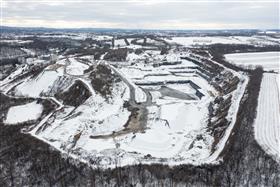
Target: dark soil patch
{"points": [[102, 80], [77, 94]]}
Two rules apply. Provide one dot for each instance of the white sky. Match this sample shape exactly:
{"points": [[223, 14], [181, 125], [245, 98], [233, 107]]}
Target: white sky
{"points": [[142, 14]]}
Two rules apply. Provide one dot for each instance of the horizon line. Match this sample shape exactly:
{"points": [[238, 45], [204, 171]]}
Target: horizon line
{"points": [[112, 28]]}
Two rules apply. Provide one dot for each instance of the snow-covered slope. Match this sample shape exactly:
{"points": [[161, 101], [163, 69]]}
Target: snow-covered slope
{"points": [[75, 67], [34, 87], [94, 117]]}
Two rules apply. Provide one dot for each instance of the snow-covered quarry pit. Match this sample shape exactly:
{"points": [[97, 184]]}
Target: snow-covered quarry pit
{"points": [[167, 121], [130, 113], [150, 107]]}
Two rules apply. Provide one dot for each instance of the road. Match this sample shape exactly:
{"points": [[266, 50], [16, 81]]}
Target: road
{"points": [[137, 121]]}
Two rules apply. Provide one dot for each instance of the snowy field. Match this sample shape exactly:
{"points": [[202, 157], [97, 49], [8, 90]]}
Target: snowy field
{"points": [[23, 113], [268, 60], [75, 67], [120, 43], [208, 40], [267, 122], [36, 86]]}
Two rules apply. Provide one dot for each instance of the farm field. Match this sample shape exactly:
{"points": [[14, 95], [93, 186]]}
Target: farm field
{"points": [[267, 123], [209, 40], [268, 60]]}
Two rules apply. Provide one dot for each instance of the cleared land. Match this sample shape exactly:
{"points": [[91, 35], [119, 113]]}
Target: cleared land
{"points": [[209, 40], [267, 123], [22, 113], [268, 60]]}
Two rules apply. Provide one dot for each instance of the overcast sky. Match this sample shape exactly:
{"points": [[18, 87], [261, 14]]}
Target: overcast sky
{"points": [[142, 14]]}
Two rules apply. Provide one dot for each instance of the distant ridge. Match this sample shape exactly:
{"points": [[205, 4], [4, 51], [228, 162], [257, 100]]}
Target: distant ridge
{"points": [[102, 30]]}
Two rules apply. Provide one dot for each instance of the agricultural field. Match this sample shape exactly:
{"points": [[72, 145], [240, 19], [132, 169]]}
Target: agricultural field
{"points": [[267, 122], [270, 61], [210, 40], [267, 126]]}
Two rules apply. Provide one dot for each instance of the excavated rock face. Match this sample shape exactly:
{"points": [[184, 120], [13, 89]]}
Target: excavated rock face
{"points": [[75, 95], [102, 80]]}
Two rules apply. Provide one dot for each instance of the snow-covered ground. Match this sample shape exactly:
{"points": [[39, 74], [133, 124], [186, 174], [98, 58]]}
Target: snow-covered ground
{"points": [[16, 41], [188, 41], [29, 51], [172, 128], [22, 113], [170, 140], [36, 86], [120, 43], [71, 128], [132, 57], [208, 40], [102, 37], [267, 122], [80, 36], [174, 122], [167, 123], [75, 67], [268, 60], [19, 70]]}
